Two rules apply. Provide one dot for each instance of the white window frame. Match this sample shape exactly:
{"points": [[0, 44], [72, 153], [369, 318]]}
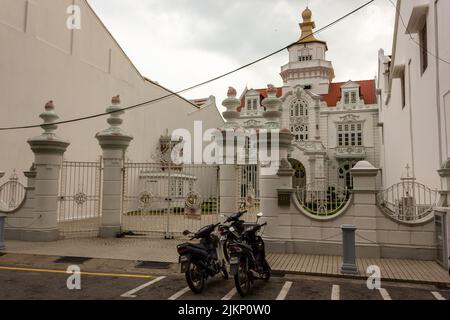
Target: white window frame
{"points": [[350, 134]]}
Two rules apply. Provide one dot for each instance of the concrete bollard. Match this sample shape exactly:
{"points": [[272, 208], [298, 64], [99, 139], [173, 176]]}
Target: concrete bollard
{"points": [[2, 231], [348, 249]]}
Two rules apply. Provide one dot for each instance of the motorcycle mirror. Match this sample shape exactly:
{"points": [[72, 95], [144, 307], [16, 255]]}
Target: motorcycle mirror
{"points": [[186, 232]]}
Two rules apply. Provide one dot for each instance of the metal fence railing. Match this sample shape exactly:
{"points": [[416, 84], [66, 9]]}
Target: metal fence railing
{"points": [[408, 201], [323, 199], [12, 194]]}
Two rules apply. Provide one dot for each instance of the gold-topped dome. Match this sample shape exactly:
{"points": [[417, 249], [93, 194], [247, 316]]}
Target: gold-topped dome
{"points": [[307, 14]]}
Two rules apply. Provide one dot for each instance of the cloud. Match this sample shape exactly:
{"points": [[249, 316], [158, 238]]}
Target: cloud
{"points": [[182, 42]]}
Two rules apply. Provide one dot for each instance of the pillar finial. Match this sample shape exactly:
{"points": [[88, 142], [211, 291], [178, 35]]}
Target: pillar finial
{"points": [[49, 117], [114, 137], [272, 104], [233, 106]]}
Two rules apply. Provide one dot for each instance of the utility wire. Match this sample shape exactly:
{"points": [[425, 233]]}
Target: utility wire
{"points": [[172, 94], [412, 38]]}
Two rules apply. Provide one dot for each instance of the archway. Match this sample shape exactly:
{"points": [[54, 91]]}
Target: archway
{"points": [[299, 178]]}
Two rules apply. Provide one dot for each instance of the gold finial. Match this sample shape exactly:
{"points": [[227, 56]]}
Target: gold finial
{"points": [[307, 27]]}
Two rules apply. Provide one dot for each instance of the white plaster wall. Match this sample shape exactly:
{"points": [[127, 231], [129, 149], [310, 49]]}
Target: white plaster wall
{"points": [[80, 70], [417, 142]]}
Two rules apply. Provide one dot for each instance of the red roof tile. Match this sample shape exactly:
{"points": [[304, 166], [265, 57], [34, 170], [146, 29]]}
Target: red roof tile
{"points": [[366, 90]]}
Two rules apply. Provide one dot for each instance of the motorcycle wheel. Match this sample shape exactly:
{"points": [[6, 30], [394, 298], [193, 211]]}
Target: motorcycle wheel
{"points": [[267, 271], [195, 278], [242, 279]]}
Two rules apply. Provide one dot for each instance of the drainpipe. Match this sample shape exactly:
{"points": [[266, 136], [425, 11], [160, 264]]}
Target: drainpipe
{"points": [[438, 84], [411, 132]]}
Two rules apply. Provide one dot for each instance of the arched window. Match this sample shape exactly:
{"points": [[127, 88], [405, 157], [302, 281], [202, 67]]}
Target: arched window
{"points": [[299, 108]]}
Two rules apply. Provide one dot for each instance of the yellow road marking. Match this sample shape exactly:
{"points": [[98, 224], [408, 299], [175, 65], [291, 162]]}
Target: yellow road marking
{"points": [[137, 276]]}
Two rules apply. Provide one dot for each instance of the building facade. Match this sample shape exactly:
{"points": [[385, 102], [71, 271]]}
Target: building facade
{"points": [[80, 69], [414, 91], [335, 124]]}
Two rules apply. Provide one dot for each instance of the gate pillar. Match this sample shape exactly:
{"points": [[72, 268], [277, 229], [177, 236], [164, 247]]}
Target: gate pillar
{"points": [[276, 187], [228, 187], [48, 151], [114, 142]]}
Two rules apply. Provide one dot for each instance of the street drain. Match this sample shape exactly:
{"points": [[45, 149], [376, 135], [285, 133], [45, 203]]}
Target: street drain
{"points": [[153, 265], [74, 260]]}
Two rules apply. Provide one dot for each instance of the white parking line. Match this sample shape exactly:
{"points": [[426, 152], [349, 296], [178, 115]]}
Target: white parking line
{"points": [[284, 291], [131, 293], [179, 294], [230, 294], [385, 294], [438, 296], [335, 292]]}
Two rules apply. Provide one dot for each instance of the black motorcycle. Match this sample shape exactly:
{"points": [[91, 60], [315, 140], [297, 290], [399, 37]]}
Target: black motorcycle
{"points": [[232, 232], [200, 261], [248, 260]]}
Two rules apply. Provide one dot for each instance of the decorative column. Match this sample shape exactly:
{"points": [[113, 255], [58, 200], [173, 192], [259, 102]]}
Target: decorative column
{"points": [[228, 171], [276, 188], [114, 142], [48, 151]]}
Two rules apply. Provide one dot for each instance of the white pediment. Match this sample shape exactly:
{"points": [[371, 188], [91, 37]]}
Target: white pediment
{"points": [[350, 85]]}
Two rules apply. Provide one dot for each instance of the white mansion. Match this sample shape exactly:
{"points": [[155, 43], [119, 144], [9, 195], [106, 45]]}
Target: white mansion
{"points": [[335, 124]]}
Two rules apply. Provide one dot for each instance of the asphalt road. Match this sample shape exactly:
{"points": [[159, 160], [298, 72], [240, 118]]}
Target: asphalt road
{"points": [[43, 284]]}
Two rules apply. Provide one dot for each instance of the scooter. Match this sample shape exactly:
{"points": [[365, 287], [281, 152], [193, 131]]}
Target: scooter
{"points": [[200, 261], [248, 260]]}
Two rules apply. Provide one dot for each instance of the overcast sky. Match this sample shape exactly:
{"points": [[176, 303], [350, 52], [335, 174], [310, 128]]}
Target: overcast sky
{"points": [[179, 43]]}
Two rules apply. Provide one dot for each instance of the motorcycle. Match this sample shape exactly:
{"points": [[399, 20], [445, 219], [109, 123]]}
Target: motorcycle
{"points": [[227, 236], [200, 261], [248, 260]]}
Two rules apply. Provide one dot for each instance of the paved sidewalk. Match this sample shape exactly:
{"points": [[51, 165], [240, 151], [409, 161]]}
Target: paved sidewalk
{"points": [[413, 271], [159, 250], [136, 249]]}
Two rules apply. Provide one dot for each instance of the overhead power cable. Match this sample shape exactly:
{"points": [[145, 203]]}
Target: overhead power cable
{"points": [[172, 94]]}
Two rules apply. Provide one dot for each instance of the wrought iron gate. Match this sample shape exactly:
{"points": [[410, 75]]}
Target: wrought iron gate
{"points": [[248, 190], [166, 199], [79, 207]]}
